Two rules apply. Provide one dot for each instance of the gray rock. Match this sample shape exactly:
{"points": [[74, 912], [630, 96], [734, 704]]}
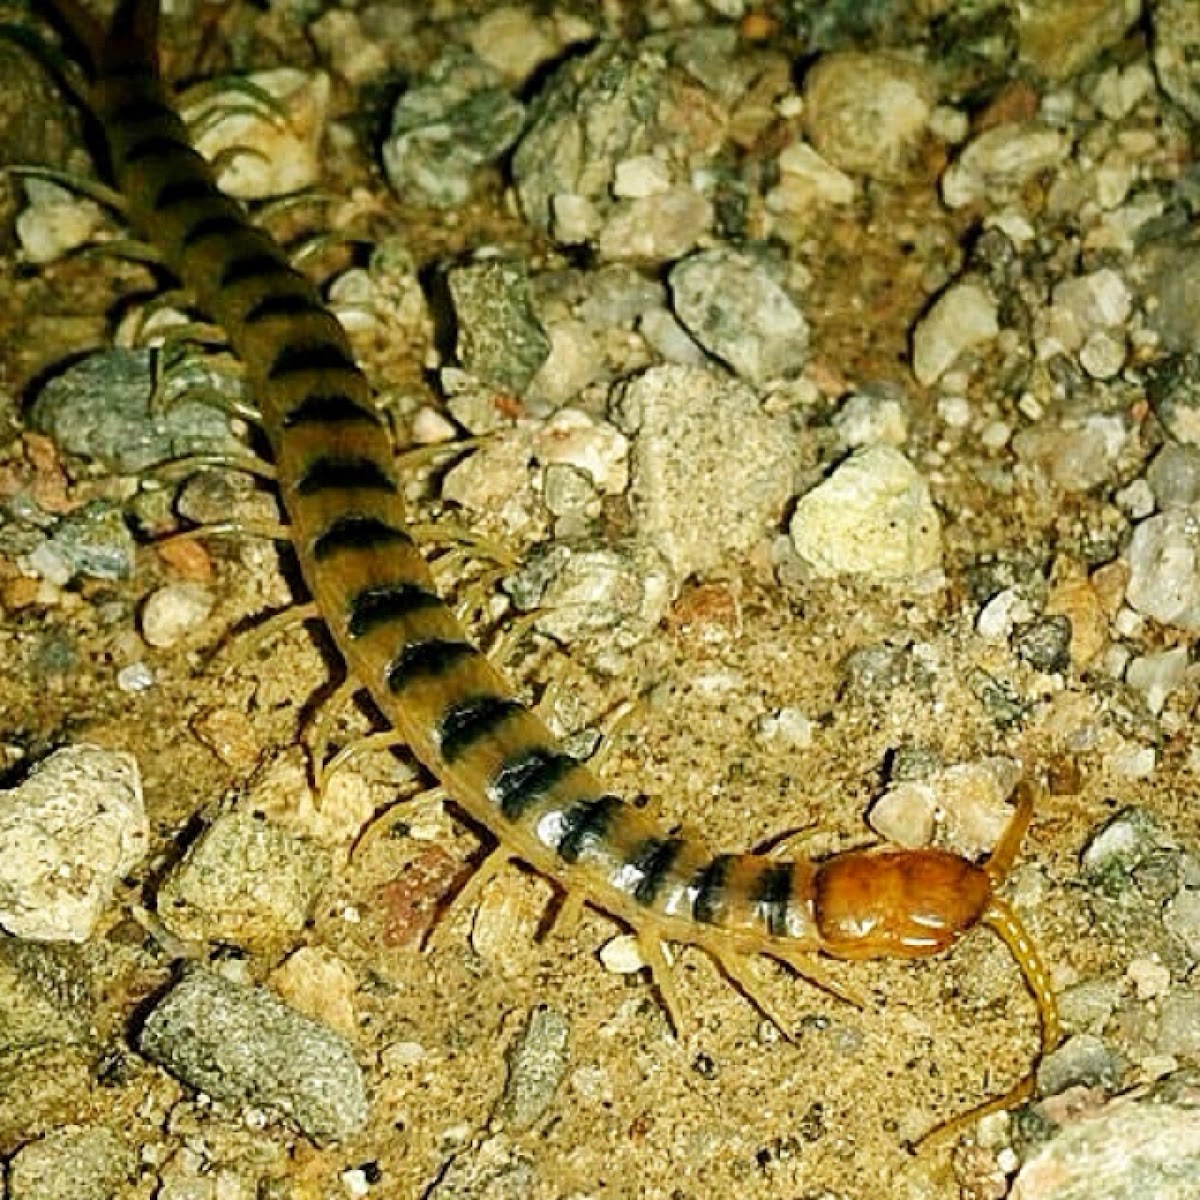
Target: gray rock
{"points": [[245, 882], [77, 1162], [67, 834], [93, 541], [1174, 476], [692, 498], [536, 1063], [242, 1045], [446, 126], [581, 591], [101, 408], [621, 103], [47, 1047], [1179, 1025], [1045, 644], [1120, 846], [1173, 295], [1173, 387], [1082, 1059], [730, 304], [1182, 919], [500, 340]]}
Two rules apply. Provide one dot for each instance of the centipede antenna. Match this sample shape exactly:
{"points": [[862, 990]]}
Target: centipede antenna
{"points": [[1001, 918], [1004, 855]]}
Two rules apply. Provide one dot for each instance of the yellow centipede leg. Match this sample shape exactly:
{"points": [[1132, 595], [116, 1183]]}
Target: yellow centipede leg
{"points": [[245, 644], [738, 970], [493, 863], [654, 956], [566, 916], [808, 966], [384, 739]]}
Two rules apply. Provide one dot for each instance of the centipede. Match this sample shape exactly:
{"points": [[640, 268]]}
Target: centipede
{"points": [[371, 583]]}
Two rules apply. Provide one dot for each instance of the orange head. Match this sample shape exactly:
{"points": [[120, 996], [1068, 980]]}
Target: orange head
{"points": [[897, 903]]}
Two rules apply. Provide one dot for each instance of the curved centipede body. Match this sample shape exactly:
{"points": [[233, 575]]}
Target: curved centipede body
{"points": [[401, 642]]}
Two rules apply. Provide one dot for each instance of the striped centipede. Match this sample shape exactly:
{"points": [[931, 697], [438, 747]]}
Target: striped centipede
{"points": [[373, 588]]}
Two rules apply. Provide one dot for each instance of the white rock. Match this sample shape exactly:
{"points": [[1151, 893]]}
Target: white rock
{"points": [[174, 611], [67, 835], [999, 161], [644, 175], [1164, 563], [1156, 676], [56, 221], [873, 517], [696, 501], [965, 315], [807, 182], [594, 447], [1002, 614], [621, 955], [904, 815]]}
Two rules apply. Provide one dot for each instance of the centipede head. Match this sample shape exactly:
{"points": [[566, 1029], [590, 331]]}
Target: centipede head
{"points": [[897, 903]]}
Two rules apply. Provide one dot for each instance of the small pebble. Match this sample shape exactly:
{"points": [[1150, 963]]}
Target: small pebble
{"points": [[243, 1046], [244, 882], [1156, 676], [869, 113], [1174, 476], [731, 305], [74, 1162], [500, 340], [692, 499], [963, 317], [995, 164], [452, 121], [67, 835], [873, 517], [175, 611], [1164, 569], [536, 1063]]}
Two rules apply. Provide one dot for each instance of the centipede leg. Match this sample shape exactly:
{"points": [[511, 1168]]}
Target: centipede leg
{"points": [[493, 863], [655, 957], [737, 968], [809, 967], [322, 728], [246, 644], [385, 739], [566, 916]]}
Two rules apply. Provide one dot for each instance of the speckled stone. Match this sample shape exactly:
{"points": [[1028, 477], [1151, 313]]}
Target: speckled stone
{"points": [[241, 1045]]}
